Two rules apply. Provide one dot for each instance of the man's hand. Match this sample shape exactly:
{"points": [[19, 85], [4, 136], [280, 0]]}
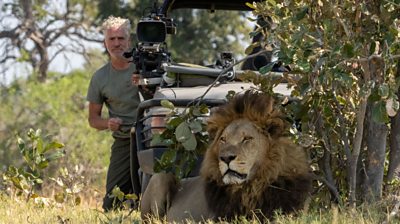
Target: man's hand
{"points": [[135, 78], [114, 123]]}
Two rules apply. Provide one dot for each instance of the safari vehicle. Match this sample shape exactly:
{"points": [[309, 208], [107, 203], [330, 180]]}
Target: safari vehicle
{"points": [[178, 83]]}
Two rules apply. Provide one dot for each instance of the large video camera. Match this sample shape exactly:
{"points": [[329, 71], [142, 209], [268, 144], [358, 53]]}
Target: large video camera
{"points": [[151, 51]]}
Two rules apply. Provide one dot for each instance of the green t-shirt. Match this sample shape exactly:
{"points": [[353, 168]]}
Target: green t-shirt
{"points": [[114, 88]]}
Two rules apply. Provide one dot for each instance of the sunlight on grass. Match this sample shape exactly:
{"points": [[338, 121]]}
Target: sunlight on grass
{"points": [[18, 211], [14, 210]]}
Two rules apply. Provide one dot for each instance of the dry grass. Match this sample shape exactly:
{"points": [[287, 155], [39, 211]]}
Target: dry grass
{"points": [[13, 210], [19, 211]]}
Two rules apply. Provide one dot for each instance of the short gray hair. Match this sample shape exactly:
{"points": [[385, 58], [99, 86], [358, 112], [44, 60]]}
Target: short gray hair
{"points": [[116, 22]]}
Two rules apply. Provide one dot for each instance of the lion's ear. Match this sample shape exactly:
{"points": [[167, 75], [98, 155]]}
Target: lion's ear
{"points": [[275, 127]]}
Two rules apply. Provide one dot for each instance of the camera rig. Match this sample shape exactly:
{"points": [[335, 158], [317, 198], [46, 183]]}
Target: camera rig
{"points": [[151, 51]]}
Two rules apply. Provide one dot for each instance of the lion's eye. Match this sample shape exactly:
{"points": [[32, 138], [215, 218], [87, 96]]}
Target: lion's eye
{"points": [[247, 139], [222, 140]]}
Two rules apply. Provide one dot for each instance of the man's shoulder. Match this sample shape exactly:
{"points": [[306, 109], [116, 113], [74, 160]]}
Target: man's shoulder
{"points": [[103, 71]]}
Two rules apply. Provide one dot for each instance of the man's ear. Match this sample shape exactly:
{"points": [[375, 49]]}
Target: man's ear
{"points": [[105, 47]]}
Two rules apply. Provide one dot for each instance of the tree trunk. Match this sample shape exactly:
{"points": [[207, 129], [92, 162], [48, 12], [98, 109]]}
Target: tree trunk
{"points": [[394, 153], [374, 163], [44, 62], [353, 161], [394, 141]]}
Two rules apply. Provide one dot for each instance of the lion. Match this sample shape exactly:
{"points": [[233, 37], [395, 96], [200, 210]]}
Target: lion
{"points": [[251, 167]]}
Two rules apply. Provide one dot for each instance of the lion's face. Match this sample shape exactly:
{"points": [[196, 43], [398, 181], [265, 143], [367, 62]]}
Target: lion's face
{"points": [[241, 151]]}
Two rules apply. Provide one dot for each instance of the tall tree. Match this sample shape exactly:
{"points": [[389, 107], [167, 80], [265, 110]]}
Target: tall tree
{"points": [[345, 54], [36, 31]]}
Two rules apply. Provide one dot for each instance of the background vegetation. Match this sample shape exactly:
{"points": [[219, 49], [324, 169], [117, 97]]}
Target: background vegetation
{"points": [[344, 56]]}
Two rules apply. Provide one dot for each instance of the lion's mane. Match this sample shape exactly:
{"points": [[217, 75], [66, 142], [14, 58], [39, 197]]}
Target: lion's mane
{"points": [[282, 183]]}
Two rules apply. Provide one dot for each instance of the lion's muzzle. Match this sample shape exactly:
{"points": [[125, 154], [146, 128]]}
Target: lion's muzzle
{"points": [[230, 168]]}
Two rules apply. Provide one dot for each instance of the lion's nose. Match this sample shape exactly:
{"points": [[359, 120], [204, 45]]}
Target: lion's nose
{"points": [[227, 158]]}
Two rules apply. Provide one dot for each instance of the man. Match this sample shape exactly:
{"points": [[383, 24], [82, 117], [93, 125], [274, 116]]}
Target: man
{"points": [[111, 85]]}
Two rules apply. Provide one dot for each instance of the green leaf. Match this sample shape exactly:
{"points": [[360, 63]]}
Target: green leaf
{"points": [[191, 143], [17, 183], [131, 196], [60, 197], [53, 145], [374, 96], [39, 146], [383, 90], [178, 172], [158, 168], [304, 65], [301, 14], [182, 132], [12, 171], [348, 50], [39, 181], [204, 109], [38, 159], [116, 192], [167, 104], [248, 4], [43, 164], [372, 48], [272, 2], [38, 133], [267, 68], [341, 100], [379, 113], [190, 164], [168, 158], [344, 78], [173, 123], [55, 155], [249, 49], [156, 140], [31, 133], [196, 126], [197, 111], [21, 144], [200, 110]]}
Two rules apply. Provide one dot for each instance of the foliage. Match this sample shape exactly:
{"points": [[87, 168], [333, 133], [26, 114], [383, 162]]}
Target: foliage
{"points": [[35, 32], [58, 106], [342, 54], [202, 35], [119, 196], [186, 138], [71, 183], [38, 152]]}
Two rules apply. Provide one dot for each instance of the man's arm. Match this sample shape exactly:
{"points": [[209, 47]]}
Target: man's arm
{"points": [[96, 121]]}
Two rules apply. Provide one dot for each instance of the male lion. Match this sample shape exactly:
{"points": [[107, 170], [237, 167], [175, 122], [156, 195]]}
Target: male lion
{"points": [[250, 168]]}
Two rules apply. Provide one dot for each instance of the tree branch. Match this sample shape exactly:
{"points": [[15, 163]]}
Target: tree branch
{"points": [[331, 187]]}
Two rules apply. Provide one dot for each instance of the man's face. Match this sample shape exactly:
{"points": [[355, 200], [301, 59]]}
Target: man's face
{"points": [[117, 42]]}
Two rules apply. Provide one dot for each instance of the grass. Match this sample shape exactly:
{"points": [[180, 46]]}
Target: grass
{"points": [[15, 210]]}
